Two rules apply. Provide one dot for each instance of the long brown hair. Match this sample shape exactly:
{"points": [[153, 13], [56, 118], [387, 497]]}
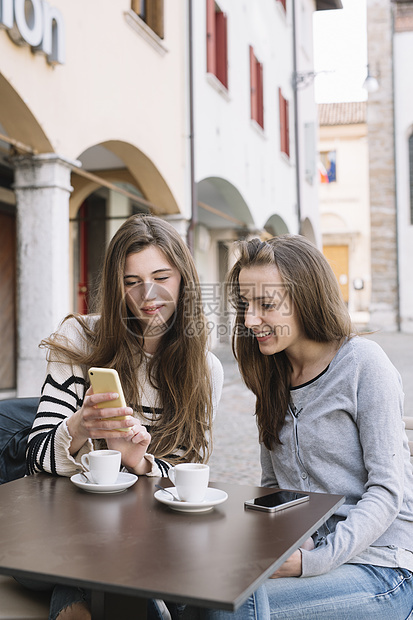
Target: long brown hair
{"points": [[179, 368], [315, 296]]}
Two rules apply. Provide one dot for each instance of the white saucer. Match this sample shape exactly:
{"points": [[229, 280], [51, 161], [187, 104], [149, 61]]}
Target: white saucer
{"points": [[213, 498], [124, 481]]}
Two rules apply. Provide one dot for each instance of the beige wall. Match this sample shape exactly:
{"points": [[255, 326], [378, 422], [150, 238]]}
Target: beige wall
{"points": [[119, 87], [114, 86], [344, 207]]}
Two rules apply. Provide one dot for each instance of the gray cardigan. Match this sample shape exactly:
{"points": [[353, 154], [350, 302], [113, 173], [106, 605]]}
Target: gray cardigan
{"points": [[344, 434]]}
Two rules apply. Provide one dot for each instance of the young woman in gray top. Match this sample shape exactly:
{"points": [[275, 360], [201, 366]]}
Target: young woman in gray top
{"points": [[329, 411]]}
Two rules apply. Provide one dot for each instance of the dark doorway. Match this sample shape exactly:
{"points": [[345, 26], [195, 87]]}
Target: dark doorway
{"points": [[7, 297], [91, 248]]}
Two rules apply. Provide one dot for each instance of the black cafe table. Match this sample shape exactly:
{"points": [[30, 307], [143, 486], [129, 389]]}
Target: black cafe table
{"points": [[128, 547]]}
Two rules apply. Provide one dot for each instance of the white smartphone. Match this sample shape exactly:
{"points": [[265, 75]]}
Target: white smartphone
{"points": [[279, 500], [107, 380]]}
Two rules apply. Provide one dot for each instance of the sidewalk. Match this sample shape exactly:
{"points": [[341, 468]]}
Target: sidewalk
{"points": [[399, 348], [235, 455]]}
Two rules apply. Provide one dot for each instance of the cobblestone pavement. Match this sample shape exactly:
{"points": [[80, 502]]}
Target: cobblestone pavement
{"points": [[235, 455]]}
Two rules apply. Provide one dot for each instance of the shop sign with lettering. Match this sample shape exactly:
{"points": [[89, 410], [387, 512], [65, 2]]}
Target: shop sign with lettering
{"points": [[35, 23]]}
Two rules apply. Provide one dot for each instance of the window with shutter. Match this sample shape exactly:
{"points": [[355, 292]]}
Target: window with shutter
{"points": [[217, 47], [284, 124], [257, 89], [152, 13]]}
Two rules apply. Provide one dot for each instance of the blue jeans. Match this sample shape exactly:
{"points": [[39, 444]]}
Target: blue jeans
{"points": [[358, 591], [60, 596], [65, 596]]}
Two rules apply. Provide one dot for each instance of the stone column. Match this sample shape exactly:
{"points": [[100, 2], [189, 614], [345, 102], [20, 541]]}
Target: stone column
{"points": [[384, 307], [42, 186]]}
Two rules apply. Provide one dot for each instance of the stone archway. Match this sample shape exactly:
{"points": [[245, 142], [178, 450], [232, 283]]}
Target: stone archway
{"points": [[120, 180], [124, 163], [275, 225], [308, 231], [221, 205], [19, 122]]}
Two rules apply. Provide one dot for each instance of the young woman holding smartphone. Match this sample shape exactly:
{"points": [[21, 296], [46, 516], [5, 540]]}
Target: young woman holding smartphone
{"points": [[151, 328], [329, 411]]}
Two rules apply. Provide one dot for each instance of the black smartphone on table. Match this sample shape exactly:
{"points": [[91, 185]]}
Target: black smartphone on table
{"points": [[279, 500]]}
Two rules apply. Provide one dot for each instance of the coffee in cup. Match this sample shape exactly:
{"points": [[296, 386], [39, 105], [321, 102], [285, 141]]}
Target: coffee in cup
{"points": [[102, 466], [190, 480]]}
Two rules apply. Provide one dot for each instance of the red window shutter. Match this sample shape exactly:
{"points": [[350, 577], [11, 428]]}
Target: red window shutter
{"points": [[221, 48], [282, 121], [253, 85], [287, 127], [211, 36], [260, 94], [284, 125]]}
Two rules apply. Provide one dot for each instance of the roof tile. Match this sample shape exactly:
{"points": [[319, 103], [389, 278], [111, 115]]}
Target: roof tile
{"points": [[347, 113]]}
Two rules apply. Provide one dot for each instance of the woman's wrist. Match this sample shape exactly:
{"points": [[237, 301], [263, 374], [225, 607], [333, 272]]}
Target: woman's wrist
{"points": [[142, 468], [77, 440]]}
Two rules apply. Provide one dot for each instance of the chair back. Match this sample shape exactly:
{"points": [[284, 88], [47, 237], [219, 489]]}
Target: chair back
{"points": [[16, 419]]}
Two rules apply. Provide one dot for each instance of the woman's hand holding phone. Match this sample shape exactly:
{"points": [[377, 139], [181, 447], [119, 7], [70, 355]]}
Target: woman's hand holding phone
{"points": [[105, 380], [104, 415], [126, 435], [93, 422]]}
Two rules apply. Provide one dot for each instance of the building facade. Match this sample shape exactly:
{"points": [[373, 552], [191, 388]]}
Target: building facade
{"points": [[345, 202], [96, 87], [255, 131], [194, 111]]}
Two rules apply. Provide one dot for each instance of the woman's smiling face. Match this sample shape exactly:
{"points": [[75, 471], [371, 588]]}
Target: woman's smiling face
{"points": [[152, 286], [269, 311]]}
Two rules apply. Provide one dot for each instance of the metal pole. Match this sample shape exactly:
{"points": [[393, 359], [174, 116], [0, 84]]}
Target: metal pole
{"points": [[296, 136], [194, 199]]}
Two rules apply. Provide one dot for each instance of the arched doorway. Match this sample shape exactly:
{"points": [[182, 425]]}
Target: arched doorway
{"points": [[223, 217], [308, 231], [275, 225], [123, 182]]}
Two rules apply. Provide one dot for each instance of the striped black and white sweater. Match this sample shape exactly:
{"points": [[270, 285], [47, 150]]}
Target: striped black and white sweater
{"points": [[62, 395]]}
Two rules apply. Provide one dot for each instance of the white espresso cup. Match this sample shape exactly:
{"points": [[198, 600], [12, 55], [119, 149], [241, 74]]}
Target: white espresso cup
{"points": [[102, 466], [190, 480]]}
